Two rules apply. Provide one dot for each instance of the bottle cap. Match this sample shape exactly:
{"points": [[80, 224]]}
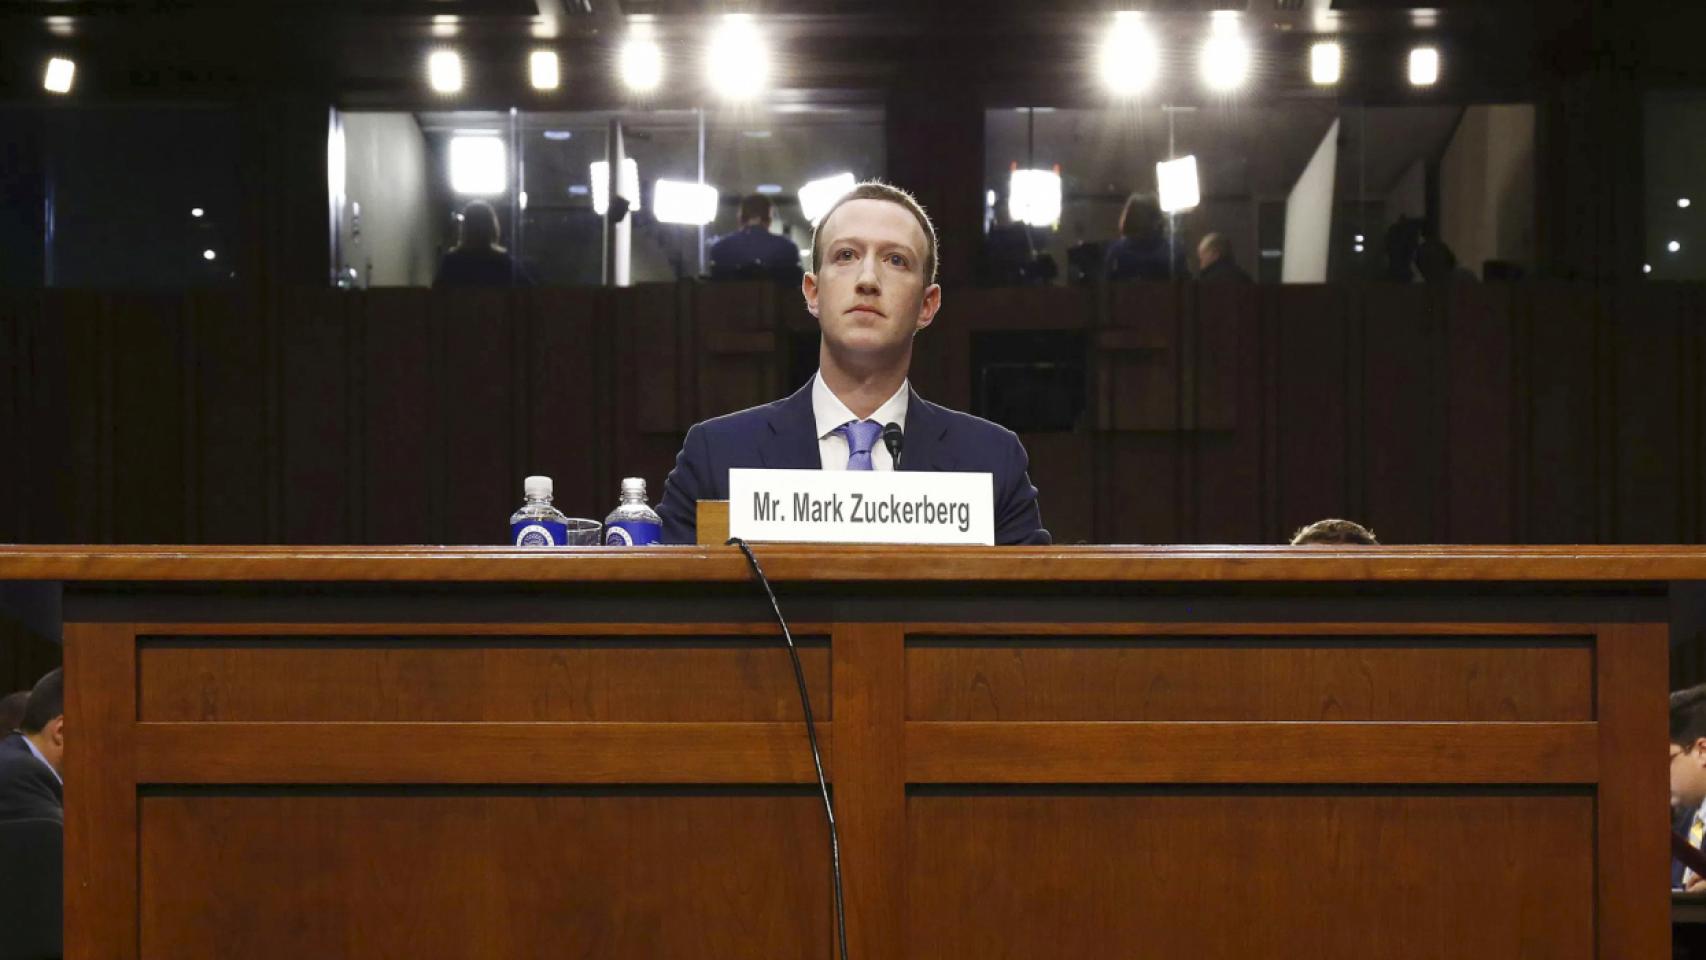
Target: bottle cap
{"points": [[634, 487], [537, 488]]}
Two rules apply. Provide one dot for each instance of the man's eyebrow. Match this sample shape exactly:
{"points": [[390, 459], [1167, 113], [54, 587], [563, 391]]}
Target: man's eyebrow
{"points": [[902, 244]]}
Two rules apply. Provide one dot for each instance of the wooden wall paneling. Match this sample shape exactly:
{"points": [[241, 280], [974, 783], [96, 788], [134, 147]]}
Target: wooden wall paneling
{"points": [[233, 391], [1402, 416], [1063, 471], [736, 346], [654, 358], [479, 432], [1632, 669], [402, 419], [16, 310], [1109, 872], [869, 674], [1481, 405], [24, 657], [71, 346], [100, 777], [1648, 399], [146, 476], [1312, 366], [1561, 469], [1226, 448], [1137, 358], [319, 464], [526, 872], [580, 400]]}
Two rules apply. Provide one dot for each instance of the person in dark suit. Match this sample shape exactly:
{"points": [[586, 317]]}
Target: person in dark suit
{"points": [[1688, 774], [31, 759], [1143, 251], [753, 252], [477, 260], [872, 288], [1216, 263]]}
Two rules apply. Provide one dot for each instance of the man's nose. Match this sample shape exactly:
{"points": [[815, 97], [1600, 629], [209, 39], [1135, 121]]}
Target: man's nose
{"points": [[867, 282]]}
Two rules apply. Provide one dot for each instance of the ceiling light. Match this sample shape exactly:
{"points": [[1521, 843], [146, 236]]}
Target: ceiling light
{"points": [[1226, 56], [57, 79], [1424, 66], [1129, 62], [1683, 202], [444, 71], [543, 68], [1675, 246], [197, 212], [641, 62], [1326, 62], [209, 255], [738, 62]]}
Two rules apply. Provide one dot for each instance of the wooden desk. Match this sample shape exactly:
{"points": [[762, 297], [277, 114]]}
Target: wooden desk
{"points": [[1036, 752]]}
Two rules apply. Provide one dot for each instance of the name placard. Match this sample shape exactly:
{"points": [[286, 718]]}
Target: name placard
{"points": [[862, 506]]}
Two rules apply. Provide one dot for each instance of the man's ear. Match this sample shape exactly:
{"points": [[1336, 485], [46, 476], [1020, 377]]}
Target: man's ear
{"points": [[55, 731], [808, 286], [927, 312]]}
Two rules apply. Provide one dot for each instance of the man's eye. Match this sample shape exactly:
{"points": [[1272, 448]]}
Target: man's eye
{"points": [[897, 259], [843, 254]]}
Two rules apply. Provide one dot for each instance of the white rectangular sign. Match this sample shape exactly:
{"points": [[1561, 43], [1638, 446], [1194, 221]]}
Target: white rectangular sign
{"points": [[861, 506]]}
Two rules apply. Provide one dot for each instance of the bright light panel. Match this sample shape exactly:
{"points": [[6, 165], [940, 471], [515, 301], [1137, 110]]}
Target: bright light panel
{"points": [[1033, 197], [818, 196], [629, 187], [738, 62], [1176, 182], [678, 201], [1424, 66], [1225, 57], [444, 71], [1129, 60], [1326, 62], [479, 166], [641, 64], [1683, 202], [57, 79], [542, 66]]}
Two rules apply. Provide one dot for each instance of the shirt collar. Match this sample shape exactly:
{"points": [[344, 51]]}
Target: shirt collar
{"points": [[31, 744], [830, 413]]}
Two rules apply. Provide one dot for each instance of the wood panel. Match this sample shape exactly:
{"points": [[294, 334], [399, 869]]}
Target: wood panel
{"points": [[101, 830], [487, 875], [1313, 874], [1211, 752], [443, 679], [1249, 679], [1486, 413], [1631, 666]]}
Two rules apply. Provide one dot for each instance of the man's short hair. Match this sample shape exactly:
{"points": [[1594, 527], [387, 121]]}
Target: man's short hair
{"points": [[1216, 242], [12, 711], [1335, 531], [47, 700], [756, 206], [877, 190], [1688, 716]]}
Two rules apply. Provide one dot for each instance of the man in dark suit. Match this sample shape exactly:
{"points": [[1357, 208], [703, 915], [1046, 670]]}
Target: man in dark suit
{"points": [[872, 288], [32, 758], [753, 252]]}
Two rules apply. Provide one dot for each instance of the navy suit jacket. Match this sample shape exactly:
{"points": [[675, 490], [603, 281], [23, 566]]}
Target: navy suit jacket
{"points": [[28, 788], [783, 436]]}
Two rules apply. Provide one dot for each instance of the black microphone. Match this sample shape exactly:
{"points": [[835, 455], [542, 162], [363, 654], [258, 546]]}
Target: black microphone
{"points": [[892, 439]]}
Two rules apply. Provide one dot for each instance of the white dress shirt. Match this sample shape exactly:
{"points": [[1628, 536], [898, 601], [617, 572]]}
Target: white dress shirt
{"points": [[44, 762], [831, 413]]}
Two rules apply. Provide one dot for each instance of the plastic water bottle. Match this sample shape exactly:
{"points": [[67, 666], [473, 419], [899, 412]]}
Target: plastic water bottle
{"points": [[632, 523], [537, 523]]}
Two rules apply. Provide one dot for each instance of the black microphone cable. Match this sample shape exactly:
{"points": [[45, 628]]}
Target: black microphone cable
{"points": [[811, 735]]}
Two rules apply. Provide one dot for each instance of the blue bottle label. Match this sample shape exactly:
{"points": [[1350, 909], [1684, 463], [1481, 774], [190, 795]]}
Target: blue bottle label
{"points": [[538, 533], [632, 533]]}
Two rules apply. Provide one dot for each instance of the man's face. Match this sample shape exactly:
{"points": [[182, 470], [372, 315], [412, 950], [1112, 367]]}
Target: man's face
{"points": [[869, 295], [1206, 254], [1688, 775]]}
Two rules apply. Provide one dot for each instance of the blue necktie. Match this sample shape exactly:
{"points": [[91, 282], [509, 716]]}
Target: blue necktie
{"points": [[861, 435]]}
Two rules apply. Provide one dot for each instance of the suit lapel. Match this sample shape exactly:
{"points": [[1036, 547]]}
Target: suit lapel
{"points": [[926, 428], [792, 441]]}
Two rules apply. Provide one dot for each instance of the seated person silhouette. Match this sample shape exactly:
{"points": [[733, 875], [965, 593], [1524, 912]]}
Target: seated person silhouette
{"points": [[1142, 252], [753, 252], [477, 260]]}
